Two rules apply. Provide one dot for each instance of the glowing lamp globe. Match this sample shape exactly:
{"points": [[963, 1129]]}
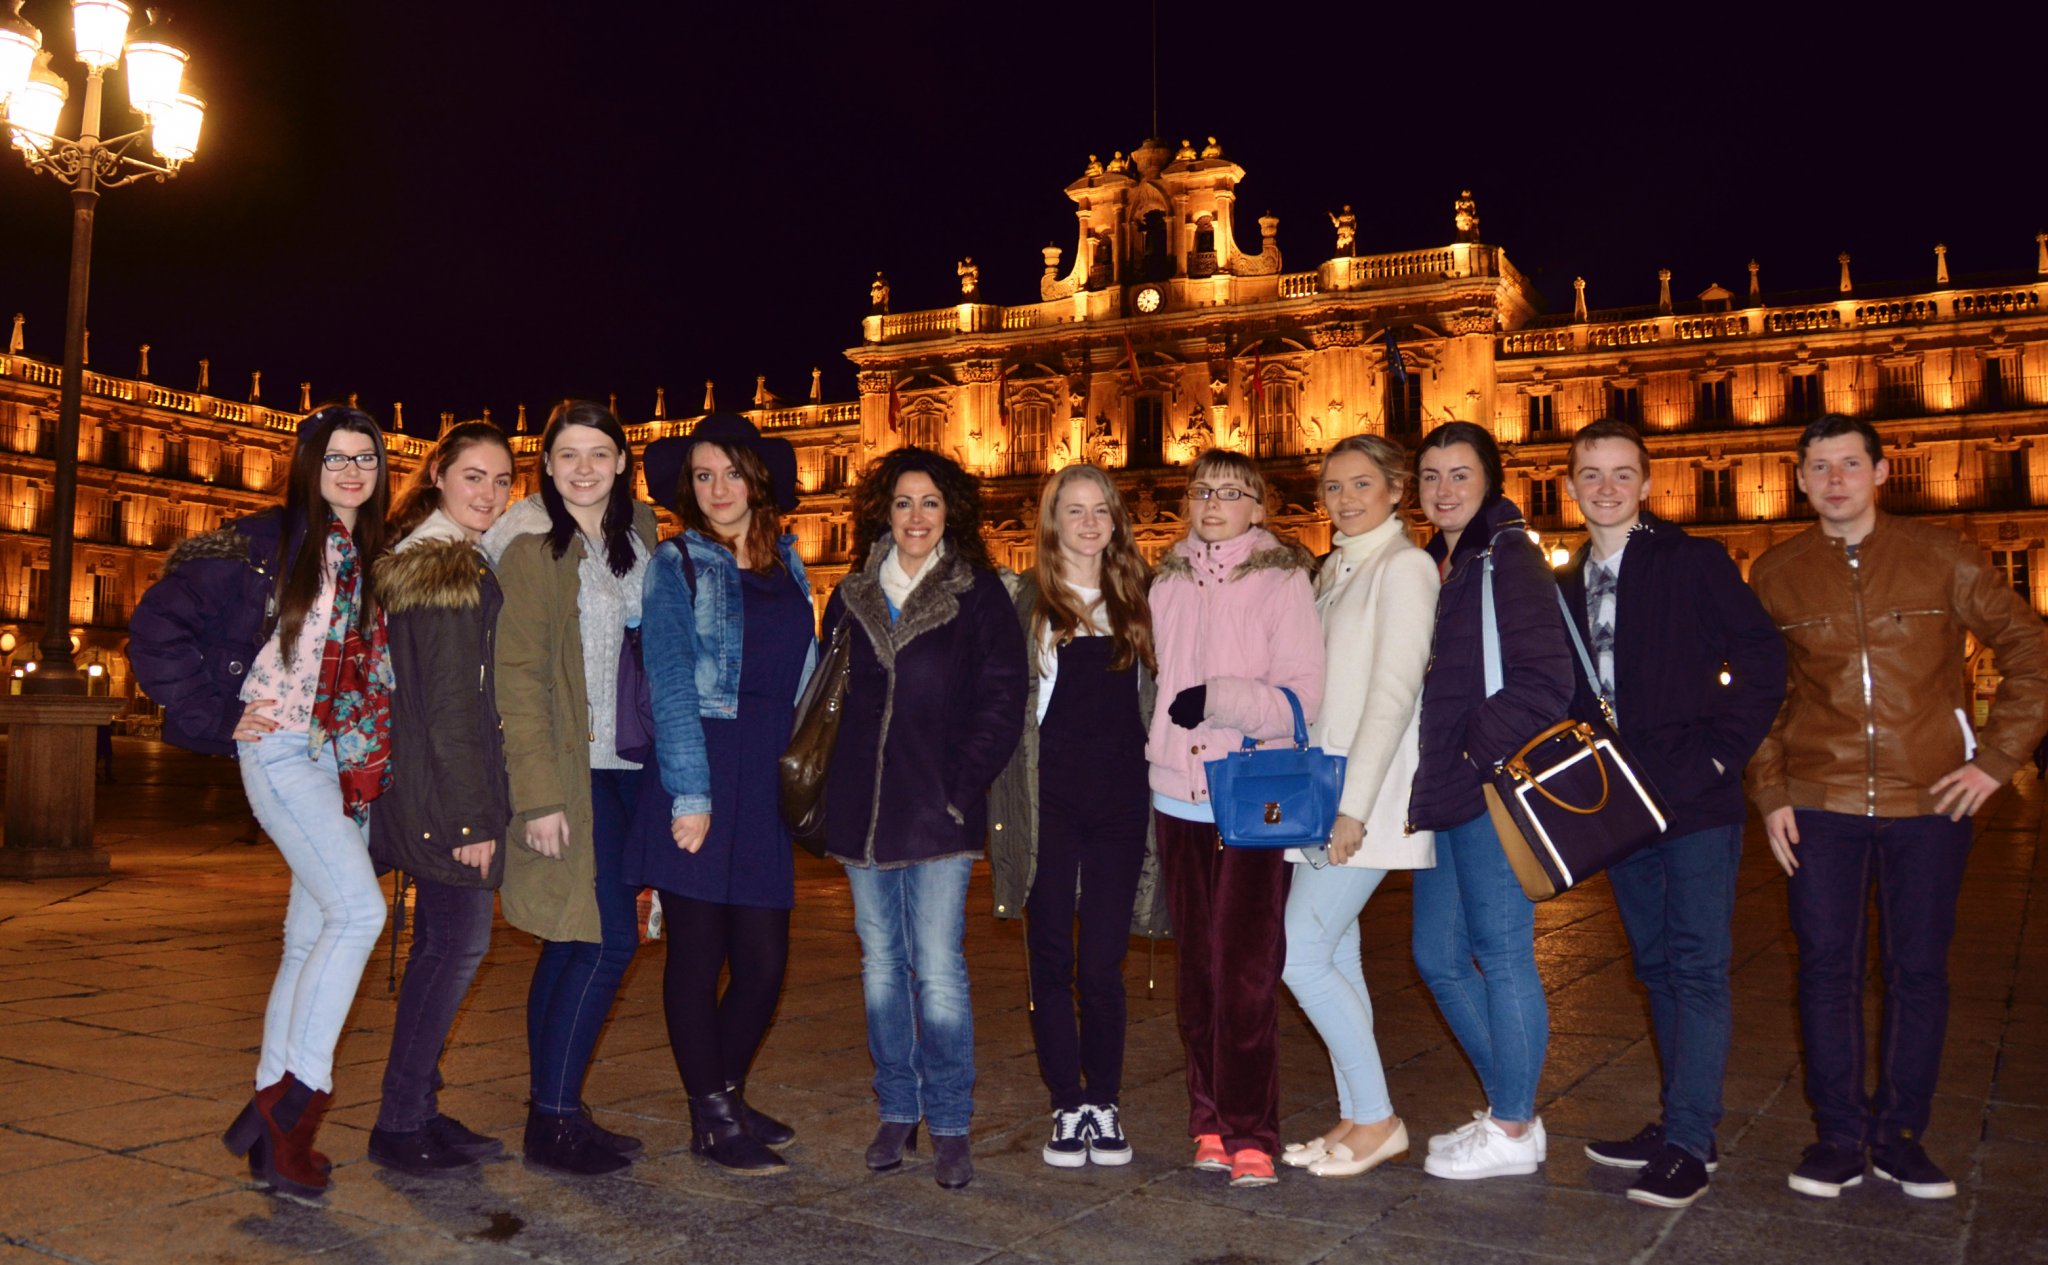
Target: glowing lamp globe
{"points": [[174, 130], [19, 44], [155, 72], [34, 111], [99, 29]]}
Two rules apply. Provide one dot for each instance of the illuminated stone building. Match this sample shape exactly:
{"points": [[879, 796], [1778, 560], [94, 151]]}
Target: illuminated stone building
{"points": [[1163, 332]]}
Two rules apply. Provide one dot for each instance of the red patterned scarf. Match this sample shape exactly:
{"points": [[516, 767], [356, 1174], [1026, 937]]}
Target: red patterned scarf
{"points": [[352, 704]]}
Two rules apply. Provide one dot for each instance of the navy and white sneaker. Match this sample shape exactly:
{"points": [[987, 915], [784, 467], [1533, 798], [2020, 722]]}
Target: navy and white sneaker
{"points": [[1902, 1162], [1642, 1149], [1106, 1141], [1069, 1145]]}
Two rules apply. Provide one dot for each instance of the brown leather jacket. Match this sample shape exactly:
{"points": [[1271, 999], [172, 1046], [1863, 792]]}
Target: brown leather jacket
{"points": [[1878, 678]]}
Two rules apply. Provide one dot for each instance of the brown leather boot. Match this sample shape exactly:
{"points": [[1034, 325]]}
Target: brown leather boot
{"points": [[291, 1112]]}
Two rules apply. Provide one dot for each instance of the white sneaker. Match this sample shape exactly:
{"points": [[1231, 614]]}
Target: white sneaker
{"points": [[1444, 1141], [1488, 1152]]}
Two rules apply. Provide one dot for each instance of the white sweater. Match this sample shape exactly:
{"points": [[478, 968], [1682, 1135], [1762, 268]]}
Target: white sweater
{"points": [[1377, 595]]}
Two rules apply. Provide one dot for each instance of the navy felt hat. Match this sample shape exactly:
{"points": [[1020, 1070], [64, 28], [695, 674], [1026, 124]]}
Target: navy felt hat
{"points": [[667, 460]]}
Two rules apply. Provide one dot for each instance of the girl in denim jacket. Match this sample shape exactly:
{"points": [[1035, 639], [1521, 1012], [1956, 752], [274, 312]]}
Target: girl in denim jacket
{"points": [[729, 634]]}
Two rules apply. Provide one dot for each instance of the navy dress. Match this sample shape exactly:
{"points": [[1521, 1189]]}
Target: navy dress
{"points": [[746, 858]]}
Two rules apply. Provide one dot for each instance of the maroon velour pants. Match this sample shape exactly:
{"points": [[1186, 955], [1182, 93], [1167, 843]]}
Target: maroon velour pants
{"points": [[1229, 909]]}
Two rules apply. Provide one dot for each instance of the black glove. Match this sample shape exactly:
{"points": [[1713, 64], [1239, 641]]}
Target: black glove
{"points": [[1189, 706]]}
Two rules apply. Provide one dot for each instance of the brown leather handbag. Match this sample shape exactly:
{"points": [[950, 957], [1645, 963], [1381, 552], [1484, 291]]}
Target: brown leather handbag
{"points": [[809, 752]]}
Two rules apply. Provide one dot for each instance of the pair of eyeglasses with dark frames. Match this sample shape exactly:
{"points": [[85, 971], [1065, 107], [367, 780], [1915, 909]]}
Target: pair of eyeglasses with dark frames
{"points": [[1203, 492], [343, 460]]}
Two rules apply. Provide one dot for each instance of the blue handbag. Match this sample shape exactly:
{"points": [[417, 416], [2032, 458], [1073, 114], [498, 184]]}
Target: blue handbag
{"points": [[1276, 797]]}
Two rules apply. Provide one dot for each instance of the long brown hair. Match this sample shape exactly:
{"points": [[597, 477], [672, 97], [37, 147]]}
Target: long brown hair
{"points": [[764, 529], [420, 497], [301, 572], [1125, 576]]}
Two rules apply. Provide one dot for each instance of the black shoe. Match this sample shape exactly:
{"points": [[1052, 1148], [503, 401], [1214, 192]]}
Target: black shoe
{"points": [[419, 1152], [719, 1134], [1673, 1180], [1069, 1145], [1642, 1149], [952, 1160], [760, 1123], [456, 1137], [891, 1141], [616, 1143], [1902, 1162], [569, 1144], [1826, 1170], [1106, 1141]]}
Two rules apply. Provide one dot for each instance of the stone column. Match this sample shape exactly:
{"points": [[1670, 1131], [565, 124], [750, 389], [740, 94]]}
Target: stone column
{"points": [[50, 785]]}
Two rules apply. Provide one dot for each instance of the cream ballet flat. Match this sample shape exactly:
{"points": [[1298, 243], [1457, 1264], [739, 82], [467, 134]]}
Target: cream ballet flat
{"points": [[1303, 1154], [1340, 1162]]}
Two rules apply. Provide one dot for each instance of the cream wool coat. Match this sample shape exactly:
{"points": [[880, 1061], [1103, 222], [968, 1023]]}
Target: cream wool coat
{"points": [[1376, 594]]}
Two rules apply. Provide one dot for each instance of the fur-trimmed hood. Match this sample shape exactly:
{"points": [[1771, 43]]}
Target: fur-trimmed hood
{"points": [[433, 573], [1265, 552], [251, 540], [932, 604]]}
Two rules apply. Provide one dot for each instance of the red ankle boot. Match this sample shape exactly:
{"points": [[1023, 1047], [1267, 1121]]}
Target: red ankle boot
{"points": [[291, 1112]]}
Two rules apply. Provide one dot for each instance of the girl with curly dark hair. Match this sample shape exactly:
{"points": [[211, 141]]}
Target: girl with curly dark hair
{"points": [[934, 707]]}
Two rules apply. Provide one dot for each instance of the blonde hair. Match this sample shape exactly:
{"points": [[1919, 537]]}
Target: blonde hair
{"points": [[1124, 576], [1394, 461]]}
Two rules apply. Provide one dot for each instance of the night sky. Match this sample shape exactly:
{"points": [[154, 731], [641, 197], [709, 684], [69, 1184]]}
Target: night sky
{"points": [[461, 205]]}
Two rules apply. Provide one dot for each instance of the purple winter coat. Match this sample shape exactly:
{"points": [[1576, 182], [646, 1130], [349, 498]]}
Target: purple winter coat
{"points": [[1464, 731], [934, 708], [196, 631]]}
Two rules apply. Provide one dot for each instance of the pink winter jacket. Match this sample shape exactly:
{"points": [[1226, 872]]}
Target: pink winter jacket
{"points": [[1240, 617]]}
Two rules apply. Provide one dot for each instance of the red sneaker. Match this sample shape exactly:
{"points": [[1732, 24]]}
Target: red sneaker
{"points": [[1210, 1155], [1251, 1167]]}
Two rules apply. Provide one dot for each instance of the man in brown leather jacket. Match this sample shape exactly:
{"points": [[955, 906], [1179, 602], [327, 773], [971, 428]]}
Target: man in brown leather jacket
{"points": [[1872, 769]]}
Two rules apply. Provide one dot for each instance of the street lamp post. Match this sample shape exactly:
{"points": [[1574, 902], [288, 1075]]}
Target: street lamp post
{"points": [[50, 803], [32, 100]]}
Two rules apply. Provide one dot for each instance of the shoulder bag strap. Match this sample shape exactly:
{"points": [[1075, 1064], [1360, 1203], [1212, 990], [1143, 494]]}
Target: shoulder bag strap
{"points": [[1489, 628], [1571, 626]]}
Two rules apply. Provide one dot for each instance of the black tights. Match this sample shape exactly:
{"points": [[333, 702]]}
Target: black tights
{"points": [[714, 1038]]}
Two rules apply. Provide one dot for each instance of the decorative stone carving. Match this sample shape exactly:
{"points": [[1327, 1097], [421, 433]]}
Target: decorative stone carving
{"points": [[1465, 214], [878, 294], [1094, 167], [969, 273], [1212, 149], [1146, 508], [1327, 336], [1346, 225], [1470, 321], [870, 382], [980, 370], [1186, 152]]}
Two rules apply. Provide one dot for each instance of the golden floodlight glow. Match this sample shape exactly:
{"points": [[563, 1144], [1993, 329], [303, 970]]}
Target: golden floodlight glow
{"points": [[19, 44], [155, 71], [34, 111], [99, 28], [174, 132]]}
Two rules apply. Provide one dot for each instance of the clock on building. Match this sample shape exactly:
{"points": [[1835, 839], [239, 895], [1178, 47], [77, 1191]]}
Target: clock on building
{"points": [[1148, 299]]}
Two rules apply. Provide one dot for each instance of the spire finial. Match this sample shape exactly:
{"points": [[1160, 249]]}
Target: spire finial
{"points": [[1755, 287], [305, 397], [1843, 259], [142, 367], [817, 389], [1579, 299], [660, 404], [710, 405], [1941, 263], [14, 343], [256, 387], [398, 415], [205, 376], [1663, 289]]}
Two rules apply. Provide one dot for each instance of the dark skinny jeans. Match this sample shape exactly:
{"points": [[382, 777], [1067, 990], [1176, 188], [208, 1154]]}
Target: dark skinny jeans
{"points": [[451, 932]]}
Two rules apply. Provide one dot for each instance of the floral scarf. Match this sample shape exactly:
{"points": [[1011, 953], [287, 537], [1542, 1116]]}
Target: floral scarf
{"points": [[352, 702]]}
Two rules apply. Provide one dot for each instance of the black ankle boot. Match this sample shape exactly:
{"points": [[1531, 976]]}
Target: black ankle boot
{"points": [[617, 1143], [760, 1123], [718, 1133], [952, 1160], [565, 1144], [891, 1141]]}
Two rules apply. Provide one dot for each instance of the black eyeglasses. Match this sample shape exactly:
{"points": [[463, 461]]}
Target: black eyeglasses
{"points": [[1203, 492], [342, 460]]}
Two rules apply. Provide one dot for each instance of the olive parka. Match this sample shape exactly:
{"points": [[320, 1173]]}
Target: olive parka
{"points": [[546, 710]]}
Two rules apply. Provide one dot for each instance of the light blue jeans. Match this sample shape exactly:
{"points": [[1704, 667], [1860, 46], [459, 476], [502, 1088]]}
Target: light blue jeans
{"points": [[913, 974], [1327, 977], [1475, 946], [336, 911]]}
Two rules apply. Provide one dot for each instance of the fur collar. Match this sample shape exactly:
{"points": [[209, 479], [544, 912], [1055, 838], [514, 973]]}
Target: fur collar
{"points": [[1276, 557], [221, 544], [932, 604], [431, 573]]}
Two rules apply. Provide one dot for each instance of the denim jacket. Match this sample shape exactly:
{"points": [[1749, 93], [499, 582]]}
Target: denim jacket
{"points": [[693, 664]]}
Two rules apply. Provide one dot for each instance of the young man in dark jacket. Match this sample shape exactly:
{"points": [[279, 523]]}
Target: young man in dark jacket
{"points": [[1873, 770], [1692, 671]]}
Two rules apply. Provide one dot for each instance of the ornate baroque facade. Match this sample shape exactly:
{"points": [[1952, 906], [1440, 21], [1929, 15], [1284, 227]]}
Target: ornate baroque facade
{"points": [[1162, 335]]}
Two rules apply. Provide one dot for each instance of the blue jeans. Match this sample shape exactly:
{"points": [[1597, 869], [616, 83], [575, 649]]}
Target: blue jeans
{"points": [[575, 981], [451, 932], [1917, 863], [913, 974], [1468, 909], [1677, 899], [1327, 977], [336, 910]]}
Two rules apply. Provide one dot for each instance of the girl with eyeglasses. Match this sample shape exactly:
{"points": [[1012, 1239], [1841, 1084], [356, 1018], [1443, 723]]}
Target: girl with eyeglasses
{"points": [[1235, 621], [1376, 594], [265, 640], [572, 561]]}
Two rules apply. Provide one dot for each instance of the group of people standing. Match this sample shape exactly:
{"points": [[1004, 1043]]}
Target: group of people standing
{"points": [[443, 684]]}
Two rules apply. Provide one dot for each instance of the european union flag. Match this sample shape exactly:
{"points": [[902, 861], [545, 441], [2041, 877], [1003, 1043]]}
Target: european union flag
{"points": [[1394, 365]]}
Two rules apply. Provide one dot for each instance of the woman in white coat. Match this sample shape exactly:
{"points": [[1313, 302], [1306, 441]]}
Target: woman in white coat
{"points": [[1376, 594]]}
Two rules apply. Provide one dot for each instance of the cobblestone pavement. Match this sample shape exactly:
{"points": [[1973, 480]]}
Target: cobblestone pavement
{"points": [[130, 1011]]}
